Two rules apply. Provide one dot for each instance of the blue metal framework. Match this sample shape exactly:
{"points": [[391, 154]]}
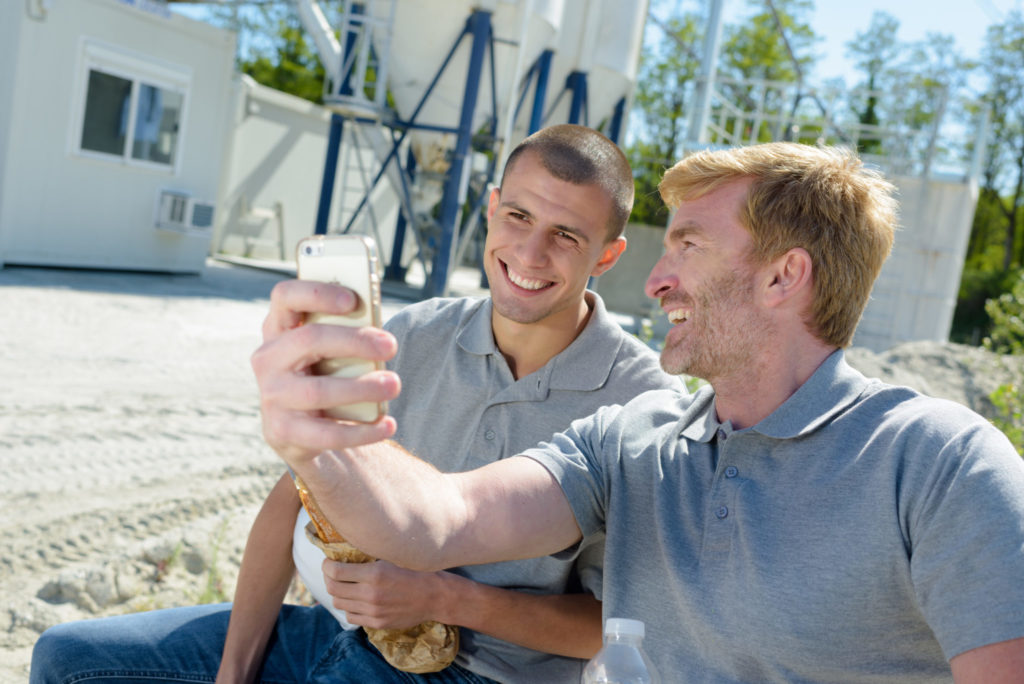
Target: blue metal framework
{"points": [[334, 140], [478, 29], [452, 224], [576, 83]]}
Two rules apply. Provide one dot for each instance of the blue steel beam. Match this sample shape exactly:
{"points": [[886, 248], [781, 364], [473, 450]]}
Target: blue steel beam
{"points": [[323, 211], [395, 270], [409, 125], [615, 128], [479, 25], [540, 92], [337, 125], [577, 83]]}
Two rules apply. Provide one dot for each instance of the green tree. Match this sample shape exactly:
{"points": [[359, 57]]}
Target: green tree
{"points": [[293, 68], [665, 81], [1007, 314], [775, 44], [273, 47], [756, 48], [875, 51], [1003, 63]]}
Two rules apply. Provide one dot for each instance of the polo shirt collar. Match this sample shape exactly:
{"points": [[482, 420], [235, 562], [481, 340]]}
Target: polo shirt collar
{"points": [[834, 386], [476, 336], [699, 421], [586, 363], [582, 366]]}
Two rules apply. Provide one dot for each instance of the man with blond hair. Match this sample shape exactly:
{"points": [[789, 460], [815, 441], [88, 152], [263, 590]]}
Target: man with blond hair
{"points": [[793, 521]]}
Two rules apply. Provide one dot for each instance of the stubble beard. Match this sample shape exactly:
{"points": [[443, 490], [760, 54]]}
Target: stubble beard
{"points": [[723, 331]]}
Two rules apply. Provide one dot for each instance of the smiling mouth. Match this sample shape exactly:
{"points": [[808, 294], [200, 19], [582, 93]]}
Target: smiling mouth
{"points": [[521, 281], [677, 316]]}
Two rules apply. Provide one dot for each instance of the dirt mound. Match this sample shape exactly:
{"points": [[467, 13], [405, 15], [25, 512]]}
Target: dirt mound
{"points": [[964, 374]]}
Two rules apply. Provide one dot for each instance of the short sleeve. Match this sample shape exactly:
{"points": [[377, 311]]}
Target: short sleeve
{"points": [[966, 533], [575, 459]]}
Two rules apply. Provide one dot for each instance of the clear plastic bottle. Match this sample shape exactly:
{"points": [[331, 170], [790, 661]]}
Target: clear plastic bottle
{"points": [[622, 659]]}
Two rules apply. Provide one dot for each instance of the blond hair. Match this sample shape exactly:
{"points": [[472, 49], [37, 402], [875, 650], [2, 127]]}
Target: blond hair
{"points": [[820, 199]]}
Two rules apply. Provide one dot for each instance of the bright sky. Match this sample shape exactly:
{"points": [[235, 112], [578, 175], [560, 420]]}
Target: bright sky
{"points": [[838, 21]]}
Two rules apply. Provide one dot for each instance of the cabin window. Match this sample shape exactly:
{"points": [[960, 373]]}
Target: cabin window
{"points": [[132, 111]]}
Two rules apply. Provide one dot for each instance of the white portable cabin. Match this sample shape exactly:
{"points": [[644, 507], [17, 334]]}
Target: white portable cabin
{"points": [[114, 118]]}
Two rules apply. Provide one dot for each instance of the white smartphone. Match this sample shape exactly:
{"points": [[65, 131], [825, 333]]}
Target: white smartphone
{"points": [[351, 261]]}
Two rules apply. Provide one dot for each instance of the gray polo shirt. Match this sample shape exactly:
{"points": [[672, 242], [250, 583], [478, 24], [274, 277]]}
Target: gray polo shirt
{"points": [[860, 533], [460, 408]]}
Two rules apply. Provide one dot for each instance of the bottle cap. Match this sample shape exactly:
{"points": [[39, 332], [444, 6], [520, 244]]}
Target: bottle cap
{"points": [[624, 626]]}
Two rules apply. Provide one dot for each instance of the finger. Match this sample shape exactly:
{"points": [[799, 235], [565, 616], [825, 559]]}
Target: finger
{"points": [[296, 350], [304, 346], [291, 300], [296, 435], [321, 392], [340, 572]]}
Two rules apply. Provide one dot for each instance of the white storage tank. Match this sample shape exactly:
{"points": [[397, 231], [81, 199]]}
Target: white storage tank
{"points": [[601, 39], [424, 32]]}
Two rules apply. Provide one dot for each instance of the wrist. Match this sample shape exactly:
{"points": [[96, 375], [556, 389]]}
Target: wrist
{"points": [[452, 598]]}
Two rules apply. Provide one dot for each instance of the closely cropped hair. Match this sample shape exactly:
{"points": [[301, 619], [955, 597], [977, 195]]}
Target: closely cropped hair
{"points": [[820, 199], [583, 156]]}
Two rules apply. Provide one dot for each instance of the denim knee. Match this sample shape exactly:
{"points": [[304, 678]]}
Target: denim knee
{"points": [[49, 656]]}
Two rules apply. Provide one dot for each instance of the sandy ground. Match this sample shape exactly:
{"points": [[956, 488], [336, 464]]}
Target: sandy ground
{"points": [[130, 450]]}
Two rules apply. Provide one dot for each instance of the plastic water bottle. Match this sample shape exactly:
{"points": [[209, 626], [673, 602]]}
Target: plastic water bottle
{"points": [[622, 659]]}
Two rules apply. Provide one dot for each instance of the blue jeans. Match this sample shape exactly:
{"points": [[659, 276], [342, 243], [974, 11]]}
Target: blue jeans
{"points": [[185, 644]]}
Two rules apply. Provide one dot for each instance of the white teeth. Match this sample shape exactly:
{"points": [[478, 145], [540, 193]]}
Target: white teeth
{"points": [[525, 283], [678, 316]]}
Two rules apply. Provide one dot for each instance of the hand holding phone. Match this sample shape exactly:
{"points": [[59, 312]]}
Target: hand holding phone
{"points": [[350, 261]]}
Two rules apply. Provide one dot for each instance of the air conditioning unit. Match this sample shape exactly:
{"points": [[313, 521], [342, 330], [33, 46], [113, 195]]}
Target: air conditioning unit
{"points": [[182, 213]]}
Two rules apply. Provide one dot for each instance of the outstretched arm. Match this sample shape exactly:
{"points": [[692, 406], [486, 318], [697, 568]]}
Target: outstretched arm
{"points": [[394, 506], [263, 580], [382, 499], [383, 595]]}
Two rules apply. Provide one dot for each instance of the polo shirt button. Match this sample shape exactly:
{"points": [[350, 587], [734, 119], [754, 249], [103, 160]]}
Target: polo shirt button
{"points": [[731, 471], [722, 512], [721, 435], [489, 435]]}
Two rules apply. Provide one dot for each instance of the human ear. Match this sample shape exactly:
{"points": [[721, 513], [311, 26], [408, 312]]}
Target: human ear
{"points": [[610, 254], [492, 202], [788, 276]]}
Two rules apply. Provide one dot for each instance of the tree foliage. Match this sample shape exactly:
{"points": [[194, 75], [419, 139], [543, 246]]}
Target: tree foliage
{"points": [[294, 68], [1003, 64], [995, 251], [756, 48], [273, 47], [875, 52], [753, 48], [1007, 313], [660, 107]]}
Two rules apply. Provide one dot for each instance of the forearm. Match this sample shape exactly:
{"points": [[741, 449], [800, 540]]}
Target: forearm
{"points": [[396, 507], [561, 624], [385, 502], [263, 580]]}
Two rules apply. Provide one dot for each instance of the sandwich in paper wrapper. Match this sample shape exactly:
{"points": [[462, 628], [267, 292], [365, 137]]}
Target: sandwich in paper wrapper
{"points": [[427, 647]]}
